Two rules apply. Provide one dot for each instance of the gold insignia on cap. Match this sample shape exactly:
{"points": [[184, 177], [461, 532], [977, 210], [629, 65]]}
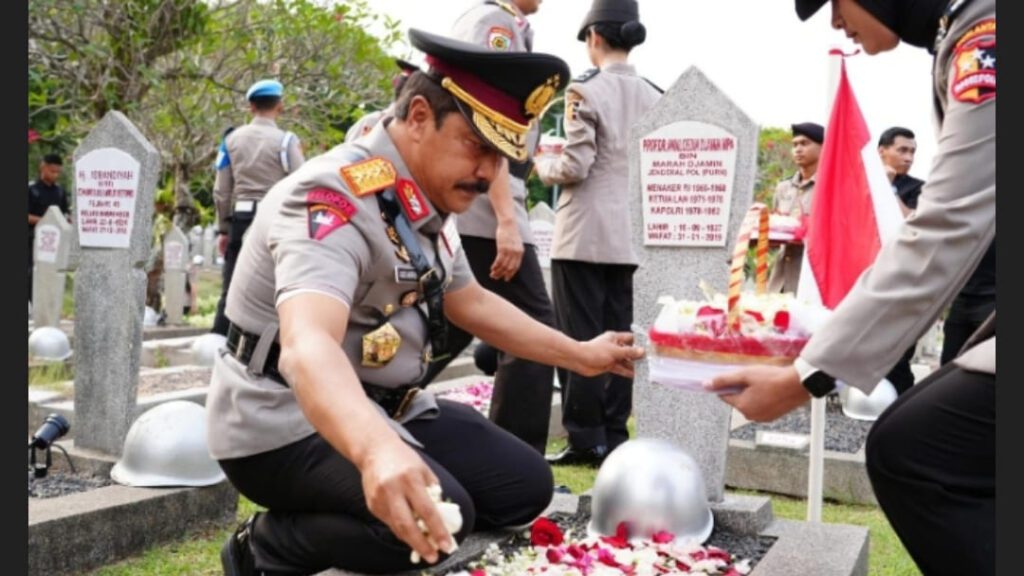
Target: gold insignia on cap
{"points": [[369, 176], [508, 142], [540, 96], [380, 346]]}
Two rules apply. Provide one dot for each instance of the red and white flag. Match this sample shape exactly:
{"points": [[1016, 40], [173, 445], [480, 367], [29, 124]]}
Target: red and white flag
{"points": [[854, 210]]}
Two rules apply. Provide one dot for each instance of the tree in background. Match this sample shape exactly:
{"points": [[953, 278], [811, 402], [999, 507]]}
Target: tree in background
{"points": [[179, 70], [774, 162]]}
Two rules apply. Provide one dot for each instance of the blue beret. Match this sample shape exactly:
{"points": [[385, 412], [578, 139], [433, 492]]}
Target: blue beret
{"points": [[265, 88]]}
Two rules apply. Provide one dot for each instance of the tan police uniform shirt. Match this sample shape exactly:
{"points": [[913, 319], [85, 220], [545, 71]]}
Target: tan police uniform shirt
{"points": [[792, 198], [592, 221], [893, 303], [363, 126], [320, 230], [500, 26], [259, 154]]}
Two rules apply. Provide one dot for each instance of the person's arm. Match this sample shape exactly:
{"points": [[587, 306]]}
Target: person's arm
{"points": [[395, 477], [508, 241], [295, 157], [497, 322], [912, 280], [33, 219], [222, 188], [580, 150]]}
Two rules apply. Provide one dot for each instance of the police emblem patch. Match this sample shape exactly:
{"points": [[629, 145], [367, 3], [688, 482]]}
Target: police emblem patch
{"points": [[499, 38], [412, 199], [572, 105], [974, 64], [327, 211], [369, 176]]}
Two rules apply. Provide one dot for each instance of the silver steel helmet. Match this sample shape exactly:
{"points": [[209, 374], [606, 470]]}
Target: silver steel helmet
{"points": [[860, 406], [150, 317], [654, 486], [49, 343], [166, 446], [206, 347]]}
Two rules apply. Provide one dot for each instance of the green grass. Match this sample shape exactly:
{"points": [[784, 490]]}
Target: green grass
{"points": [[50, 376], [198, 553]]}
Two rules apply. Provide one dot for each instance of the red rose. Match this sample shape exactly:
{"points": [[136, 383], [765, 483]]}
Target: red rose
{"points": [[781, 320], [544, 532], [621, 538], [32, 135], [478, 572], [663, 537], [554, 555], [718, 553]]}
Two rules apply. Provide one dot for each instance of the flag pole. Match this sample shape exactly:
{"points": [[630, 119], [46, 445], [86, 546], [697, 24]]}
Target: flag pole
{"points": [[816, 465]]}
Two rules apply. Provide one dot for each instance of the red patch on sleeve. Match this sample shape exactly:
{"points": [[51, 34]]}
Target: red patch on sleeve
{"points": [[327, 210], [973, 78]]}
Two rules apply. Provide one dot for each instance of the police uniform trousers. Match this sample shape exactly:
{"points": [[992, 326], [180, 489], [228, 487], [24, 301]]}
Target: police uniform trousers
{"points": [[966, 314], [589, 300], [901, 375], [931, 460], [318, 517], [521, 401], [240, 222]]}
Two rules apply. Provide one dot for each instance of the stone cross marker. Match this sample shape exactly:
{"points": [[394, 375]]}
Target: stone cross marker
{"points": [[210, 246], [692, 164], [176, 263], [115, 176], [52, 250], [542, 225]]}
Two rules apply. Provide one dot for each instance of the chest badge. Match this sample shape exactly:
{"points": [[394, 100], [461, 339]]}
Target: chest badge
{"points": [[380, 346]]}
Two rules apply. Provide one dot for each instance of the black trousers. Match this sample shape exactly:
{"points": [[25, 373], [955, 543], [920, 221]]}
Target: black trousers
{"points": [[31, 263], [317, 516], [240, 222], [931, 460], [521, 402], [966, 314], [901, 376], [589, 300]]}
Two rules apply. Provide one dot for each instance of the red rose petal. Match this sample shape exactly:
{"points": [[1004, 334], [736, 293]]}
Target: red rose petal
{"points": [[781, 321], [663, 537]]}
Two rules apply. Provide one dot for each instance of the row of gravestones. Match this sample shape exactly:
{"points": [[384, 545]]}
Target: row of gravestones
{"points": [[55, 255]]}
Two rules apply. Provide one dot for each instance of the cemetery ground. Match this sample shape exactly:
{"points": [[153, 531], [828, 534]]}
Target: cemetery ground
{"points": [[197, 553]]}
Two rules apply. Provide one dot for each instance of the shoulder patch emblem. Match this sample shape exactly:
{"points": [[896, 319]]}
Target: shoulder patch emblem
{"points": [[973, 78], [369, 176], [499, 38], [412, 199], [572, 104], [327, 210]]}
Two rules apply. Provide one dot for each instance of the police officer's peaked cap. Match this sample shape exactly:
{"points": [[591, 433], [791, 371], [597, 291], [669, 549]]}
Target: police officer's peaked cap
{"points": [[265, 89], [500, 93], [811, 130], [806, 8], [405, 66], [609, 11]]}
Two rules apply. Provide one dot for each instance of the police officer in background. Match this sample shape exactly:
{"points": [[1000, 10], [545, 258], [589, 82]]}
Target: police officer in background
{"points": [[792, 198], [251, 159], [931, 455], [592, 259], [499, 245], [363, 126], [347, 285], [43, 193]]}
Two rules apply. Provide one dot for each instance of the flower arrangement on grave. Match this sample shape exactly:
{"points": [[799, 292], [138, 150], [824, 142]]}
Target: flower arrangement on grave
{"points": [[554, 553], [478, 395]]}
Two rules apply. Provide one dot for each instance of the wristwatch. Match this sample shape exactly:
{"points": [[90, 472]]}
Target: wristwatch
{"points": [[817, 382]]}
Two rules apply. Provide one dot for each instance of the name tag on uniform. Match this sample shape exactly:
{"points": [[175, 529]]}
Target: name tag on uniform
{"points": [[405, 274], [245, 205], [450, 234]]}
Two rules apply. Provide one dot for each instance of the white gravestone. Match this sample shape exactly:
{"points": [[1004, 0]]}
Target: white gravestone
{"points": [[52, 251], [542, 226], [176, 264]]}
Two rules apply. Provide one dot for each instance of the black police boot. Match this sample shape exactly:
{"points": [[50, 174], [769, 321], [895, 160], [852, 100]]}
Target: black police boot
{"points": [[586, 457], [236, 555]]}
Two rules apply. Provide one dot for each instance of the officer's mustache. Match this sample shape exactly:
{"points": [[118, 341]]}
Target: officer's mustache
{"points": [[477, 187]]}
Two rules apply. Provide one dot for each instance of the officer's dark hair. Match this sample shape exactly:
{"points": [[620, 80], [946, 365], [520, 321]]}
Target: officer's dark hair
{"points": [[889, 136], [53, 159], [264, 103], [621, 35], [427, 85]]}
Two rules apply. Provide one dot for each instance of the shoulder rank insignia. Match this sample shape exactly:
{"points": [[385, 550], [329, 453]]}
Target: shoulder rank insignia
{"points": [[412, 199], [587, 75], [505, 6], [369, 176], [327, 210], [974, 64]]}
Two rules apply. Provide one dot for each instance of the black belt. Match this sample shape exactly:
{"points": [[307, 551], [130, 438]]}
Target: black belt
{"points": [[241, 344]]}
